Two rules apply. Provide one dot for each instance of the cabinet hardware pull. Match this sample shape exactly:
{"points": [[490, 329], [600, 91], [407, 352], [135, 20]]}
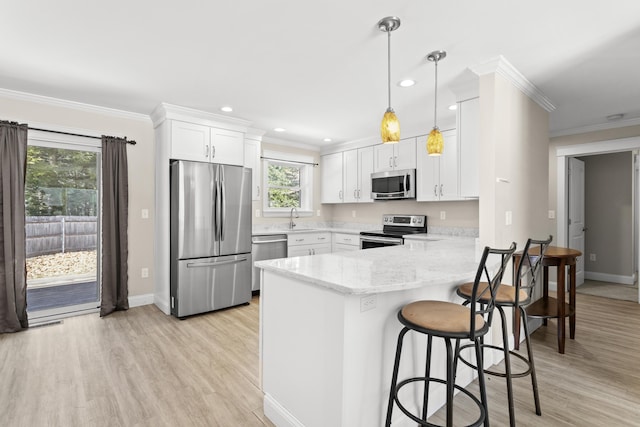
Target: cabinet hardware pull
{"points": [[435, 190], [213, 151], [340, 194], [355, 194], [258, 191], [390, 164], [441, 189], [206, 151], [395, 161]]}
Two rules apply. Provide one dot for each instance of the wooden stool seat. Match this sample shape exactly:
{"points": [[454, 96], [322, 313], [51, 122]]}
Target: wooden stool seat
{"points": [[440, 316], [505, 295]]}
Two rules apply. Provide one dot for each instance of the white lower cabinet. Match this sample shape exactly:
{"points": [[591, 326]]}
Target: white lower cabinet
{"points": [[314, 243], [343, 242]]}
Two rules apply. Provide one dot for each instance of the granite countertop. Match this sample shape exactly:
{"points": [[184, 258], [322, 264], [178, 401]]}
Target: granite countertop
{"points": [[287, 231], [394, 268]]}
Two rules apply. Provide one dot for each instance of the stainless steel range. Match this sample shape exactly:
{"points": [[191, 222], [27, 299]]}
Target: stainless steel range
{"points": [[394, 227]]}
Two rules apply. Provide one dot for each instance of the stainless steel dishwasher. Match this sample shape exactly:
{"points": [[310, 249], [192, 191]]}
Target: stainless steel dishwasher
{"points": [[266, 246]]}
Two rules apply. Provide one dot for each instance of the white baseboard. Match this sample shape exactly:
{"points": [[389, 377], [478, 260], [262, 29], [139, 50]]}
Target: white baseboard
{"points": [[163, 305], [605, 277], [278, 414], [138, 300]]}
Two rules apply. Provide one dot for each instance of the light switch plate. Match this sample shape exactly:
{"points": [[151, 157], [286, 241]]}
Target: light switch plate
{"points": [[508, 218]]}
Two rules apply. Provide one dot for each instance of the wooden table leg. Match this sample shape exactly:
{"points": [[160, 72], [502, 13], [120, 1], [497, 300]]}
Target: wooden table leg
{"points": [[516, 311], [545, 287], [572, 300], [561, 308]]}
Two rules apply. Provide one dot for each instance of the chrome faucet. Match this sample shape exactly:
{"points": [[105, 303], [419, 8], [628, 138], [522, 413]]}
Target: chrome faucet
{"points": [[291, 223]]}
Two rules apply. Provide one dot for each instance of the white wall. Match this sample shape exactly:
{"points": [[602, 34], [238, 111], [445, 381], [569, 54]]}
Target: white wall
{"points": [[50, 113]]}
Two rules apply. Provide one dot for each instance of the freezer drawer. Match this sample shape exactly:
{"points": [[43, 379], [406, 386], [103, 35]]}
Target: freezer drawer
{"points": [[208, 284]]}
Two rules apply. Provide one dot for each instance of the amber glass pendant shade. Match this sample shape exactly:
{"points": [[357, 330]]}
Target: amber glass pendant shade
{"points": [[390, 127], [435, 142]]}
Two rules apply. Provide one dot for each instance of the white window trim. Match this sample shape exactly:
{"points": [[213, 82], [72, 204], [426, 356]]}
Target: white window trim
{"points": [[307, 203]]}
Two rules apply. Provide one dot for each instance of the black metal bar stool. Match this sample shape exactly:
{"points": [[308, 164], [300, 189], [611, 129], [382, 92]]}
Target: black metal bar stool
{"points": [[451, 321], [517, 297]]}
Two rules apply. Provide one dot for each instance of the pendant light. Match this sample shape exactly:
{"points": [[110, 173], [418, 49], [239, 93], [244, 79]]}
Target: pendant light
{"points": [[390, 127], [435, 142]]}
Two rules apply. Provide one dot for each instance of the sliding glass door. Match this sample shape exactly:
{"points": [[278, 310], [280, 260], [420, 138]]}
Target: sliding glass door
{"points": [[62, 228]]}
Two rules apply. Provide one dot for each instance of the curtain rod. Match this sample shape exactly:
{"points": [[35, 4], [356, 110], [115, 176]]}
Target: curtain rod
{"points": [[289, 161], [77, 134]]}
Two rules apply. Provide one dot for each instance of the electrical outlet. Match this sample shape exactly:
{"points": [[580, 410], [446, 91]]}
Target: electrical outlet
{"points": [[552, 214], [318, 212], [257, 213], [144, 213], [368, 302], [508, 218], [443, 215], [144, 273], [592, 257], [353, 214]]}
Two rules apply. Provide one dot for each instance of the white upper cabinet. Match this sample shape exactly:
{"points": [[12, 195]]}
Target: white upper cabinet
{"points": [[469, 139], [357, 168], [252, 161], [437, 176], [227, 147], [331, 176], [190, 141], [395, 156]]}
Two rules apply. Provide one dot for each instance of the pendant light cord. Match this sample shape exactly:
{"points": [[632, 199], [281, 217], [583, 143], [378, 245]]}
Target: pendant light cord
{"points": [[389, 66], [435, 106]]}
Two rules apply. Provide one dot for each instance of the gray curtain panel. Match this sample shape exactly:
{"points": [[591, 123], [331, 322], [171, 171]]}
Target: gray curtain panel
{"points": [[115, 206], [13, 253]]}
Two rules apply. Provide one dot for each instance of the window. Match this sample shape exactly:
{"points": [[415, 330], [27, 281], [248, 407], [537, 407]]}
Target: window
{"points": [[288, 184]]}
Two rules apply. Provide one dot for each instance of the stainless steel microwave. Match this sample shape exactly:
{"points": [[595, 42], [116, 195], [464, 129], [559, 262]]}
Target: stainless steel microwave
{"points": [[393, 185]]}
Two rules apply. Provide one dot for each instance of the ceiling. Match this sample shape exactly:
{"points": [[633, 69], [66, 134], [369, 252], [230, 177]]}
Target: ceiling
{"points": [[319, 69]]}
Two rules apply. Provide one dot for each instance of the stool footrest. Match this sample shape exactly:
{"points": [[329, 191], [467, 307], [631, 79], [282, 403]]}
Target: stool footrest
{"points": [[401, 384], [496, 373]]}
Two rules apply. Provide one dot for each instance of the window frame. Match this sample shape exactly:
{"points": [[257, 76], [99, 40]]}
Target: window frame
{"points": [[305, 164]]}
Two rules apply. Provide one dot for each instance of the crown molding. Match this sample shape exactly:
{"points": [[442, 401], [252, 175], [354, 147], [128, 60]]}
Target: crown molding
{"points": [[596, 127], [501, 66], [166, 111], [65, 103]]}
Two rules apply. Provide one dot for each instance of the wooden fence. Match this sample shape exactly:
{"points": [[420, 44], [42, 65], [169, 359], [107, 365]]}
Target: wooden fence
{"points": [[58, 234]]}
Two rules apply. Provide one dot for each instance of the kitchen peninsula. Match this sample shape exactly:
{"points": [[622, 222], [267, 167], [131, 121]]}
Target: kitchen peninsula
{"points": [[328, 329]]}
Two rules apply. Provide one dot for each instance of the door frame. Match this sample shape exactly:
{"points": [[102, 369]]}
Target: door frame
{"points": [[563, 153], [80, 143]]}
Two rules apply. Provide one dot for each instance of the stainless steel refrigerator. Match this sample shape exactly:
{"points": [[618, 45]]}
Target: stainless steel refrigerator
{"points": [[210, 237]]}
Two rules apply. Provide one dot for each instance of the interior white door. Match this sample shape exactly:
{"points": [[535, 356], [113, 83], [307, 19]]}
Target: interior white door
{"points": [[577, 225]]}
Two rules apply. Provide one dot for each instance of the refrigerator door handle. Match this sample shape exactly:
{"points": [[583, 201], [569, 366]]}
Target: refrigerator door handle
{"points": [[218, 203], [215, 264], [223, 210]]}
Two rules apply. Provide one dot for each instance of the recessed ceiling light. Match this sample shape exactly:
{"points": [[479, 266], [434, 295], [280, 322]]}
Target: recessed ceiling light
{"points": [[453, 107], [279, 129], [327, 140], [407, 83], [226, 109]]}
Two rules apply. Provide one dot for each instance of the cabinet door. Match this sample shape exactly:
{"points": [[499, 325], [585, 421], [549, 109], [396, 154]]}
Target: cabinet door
{"points": [[189, 141], [301, 250], [469, 137], [321, 249], [427, 174], [365, 168], [449, 167], [350, 170], [331, 176], [227, 147], [405, 154], [252, 161], [383, 157]]}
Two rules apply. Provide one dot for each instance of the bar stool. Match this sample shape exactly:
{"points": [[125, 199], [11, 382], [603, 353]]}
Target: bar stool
{"points": [[449, 321], [517, 297]]}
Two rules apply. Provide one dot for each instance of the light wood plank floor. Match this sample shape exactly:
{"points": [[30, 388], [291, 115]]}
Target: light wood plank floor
{"points": [[143, 368]]}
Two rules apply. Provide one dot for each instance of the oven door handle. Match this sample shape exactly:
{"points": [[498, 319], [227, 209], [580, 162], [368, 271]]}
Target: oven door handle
{"points": [[392, 241]]}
